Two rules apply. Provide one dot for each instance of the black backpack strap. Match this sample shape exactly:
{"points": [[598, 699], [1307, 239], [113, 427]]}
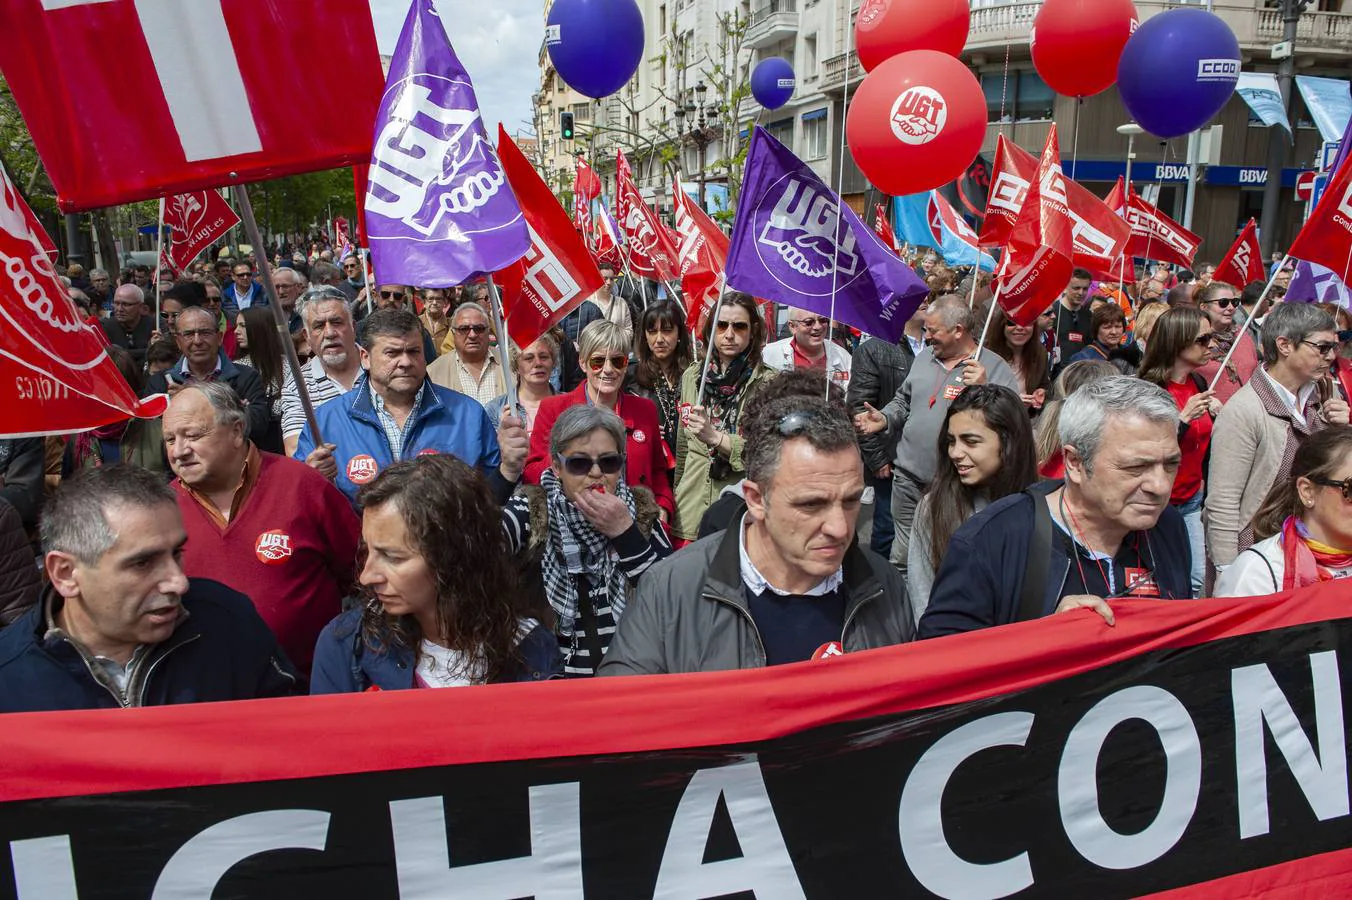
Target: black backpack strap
{"points": [[1032, 596]]}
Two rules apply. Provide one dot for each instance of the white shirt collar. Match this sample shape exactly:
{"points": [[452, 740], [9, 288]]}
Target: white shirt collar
{"points": [[1294, 402], [753, 579]]}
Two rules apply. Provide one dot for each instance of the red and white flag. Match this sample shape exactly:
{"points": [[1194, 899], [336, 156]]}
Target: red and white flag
{"points": [[342, 232], [55, 373], [1038, 255], [1244, 263], [652, 252], [1100, 238], [702, 249], [557, 273], [187, 101], [1117, 198], [1326, 238], [196, 221], [1156, 236], [586, 188], [883, 228], [607, 240]]}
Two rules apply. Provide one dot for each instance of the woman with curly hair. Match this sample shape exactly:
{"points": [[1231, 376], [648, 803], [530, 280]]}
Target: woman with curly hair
{"points": [[440, 591]]}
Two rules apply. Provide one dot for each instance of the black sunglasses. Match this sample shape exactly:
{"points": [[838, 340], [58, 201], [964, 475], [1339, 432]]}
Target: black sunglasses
{"points": [[467, 329], [735, 326], [810, 321], [1206, 340], [580, 464], [1225, 302], [398, 295], [1345, 486]]}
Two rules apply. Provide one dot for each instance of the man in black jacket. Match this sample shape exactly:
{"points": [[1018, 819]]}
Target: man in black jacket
{"points": [[1108, 531], [121, 625], [23, 462], [129, 327]]}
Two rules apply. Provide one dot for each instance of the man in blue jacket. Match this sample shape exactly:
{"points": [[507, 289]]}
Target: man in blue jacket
{"points": [[1108, 531], [121, 625], [394, 412]]}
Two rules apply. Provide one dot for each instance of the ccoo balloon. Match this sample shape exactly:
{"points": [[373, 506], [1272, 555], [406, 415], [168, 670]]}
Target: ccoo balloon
{"points": [[772, 82], [1178, 70], [916, 122], [1077, 43], [595, 45], [885, 28]]}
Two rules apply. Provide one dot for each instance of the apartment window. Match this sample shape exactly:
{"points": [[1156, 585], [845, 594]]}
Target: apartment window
{"points": [[810, 56], [662, 19], [582, 111], [1022, 96], [815, 134], [782, 131]]}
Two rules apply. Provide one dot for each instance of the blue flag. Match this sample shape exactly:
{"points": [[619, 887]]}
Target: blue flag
{"points": [[439, 210], [929, 220], [794, 242]]}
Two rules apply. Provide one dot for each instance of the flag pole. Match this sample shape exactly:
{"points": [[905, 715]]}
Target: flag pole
{"points": [[709, 350], [246, 214], [1251, 323], [985, 332], [159, 261], [504, 353]]}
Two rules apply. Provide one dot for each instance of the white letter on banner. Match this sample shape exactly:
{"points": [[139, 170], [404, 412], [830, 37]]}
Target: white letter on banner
{"points": [[202, 85], [1077, 780], [764, 867], [43, 869], [553, 871], [930, 858], [195, 868], [1323, 781]]}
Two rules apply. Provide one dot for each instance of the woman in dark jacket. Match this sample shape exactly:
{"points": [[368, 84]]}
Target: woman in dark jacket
{"points": [[442, 604]]}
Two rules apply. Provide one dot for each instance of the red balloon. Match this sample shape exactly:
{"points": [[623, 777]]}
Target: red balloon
{"points": [[1077, 43], [916, 122], [885, 28]]}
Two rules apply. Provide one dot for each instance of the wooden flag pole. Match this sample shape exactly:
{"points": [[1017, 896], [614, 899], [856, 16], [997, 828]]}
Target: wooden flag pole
{"points": [[159, 261], [1251, 323], [246, 214], [504, 352]]}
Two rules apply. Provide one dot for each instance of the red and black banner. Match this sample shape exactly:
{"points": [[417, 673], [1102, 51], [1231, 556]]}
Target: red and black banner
{"points": [[1195, 750]]}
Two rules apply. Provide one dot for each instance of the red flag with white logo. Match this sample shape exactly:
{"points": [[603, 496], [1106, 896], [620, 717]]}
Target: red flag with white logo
{"points": [[1099, 237], [1037, 261], [586, 188], [557, 273], [607, 239], [652, 252], [133, 99], [1156, 236], [1117, 197], [1326, 238], [883, 228], [196, 221], [702, 249], [1244, 263], [55, 373]]}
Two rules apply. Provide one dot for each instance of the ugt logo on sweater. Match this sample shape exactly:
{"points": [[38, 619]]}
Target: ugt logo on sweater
{"points": [[273, 547]]}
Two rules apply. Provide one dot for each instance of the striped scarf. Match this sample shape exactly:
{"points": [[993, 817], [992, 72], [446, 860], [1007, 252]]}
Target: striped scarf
{"points": [[575, 548]]}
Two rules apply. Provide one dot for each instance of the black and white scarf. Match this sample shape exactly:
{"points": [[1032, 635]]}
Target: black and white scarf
{"points": [[574, 547]]}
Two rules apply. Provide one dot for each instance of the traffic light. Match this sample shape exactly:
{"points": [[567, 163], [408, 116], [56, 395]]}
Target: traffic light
{"points": [[566, 125]]}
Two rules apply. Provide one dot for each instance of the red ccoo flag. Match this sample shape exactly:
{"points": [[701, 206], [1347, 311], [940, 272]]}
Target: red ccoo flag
{"points": [[586, 188], [1117, 198], [702, 249], [557, 273], [1244, 263], [652, 252], [1326, 238], [883, 228], [1038, 257], [55, 373], [1156, 236]]}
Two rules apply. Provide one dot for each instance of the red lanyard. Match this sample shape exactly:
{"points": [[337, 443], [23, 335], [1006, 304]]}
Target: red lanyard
{"points": [[934, 394]]}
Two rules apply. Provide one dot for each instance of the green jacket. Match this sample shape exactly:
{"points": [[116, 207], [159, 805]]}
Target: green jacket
{"points": [[696, 488]]}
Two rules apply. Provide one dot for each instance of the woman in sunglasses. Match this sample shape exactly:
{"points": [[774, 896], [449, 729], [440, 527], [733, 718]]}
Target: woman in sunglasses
{"points": [[1304, 524], [1220, 303], [1021, 347], [583, 536], [709, 443], [1181, 343], [604, 355]]}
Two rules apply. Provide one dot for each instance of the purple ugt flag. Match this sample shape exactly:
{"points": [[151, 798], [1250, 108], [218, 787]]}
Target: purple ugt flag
{"points": [[794, 242], [1312, 283], [439, 210]]}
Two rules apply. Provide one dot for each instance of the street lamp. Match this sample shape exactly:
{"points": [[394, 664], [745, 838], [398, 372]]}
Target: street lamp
{"points": [[703, 129], [1131, 129]]}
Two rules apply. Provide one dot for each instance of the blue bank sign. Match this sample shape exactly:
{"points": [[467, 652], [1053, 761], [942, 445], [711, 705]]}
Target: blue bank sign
{"points": [[1173, 173]]}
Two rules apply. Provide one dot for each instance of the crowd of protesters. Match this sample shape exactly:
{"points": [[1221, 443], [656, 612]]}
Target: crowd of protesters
{"points": [[656, 500]]}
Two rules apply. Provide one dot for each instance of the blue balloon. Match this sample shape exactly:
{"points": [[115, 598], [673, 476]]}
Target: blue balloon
{"points": [[1178, 70], [772, 82], [595, 45]]}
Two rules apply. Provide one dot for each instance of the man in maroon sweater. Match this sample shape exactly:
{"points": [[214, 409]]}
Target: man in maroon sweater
{"points": [[268, 526]]}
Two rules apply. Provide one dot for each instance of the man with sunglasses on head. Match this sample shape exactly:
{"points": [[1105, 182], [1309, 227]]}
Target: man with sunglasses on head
{"points": [[809, 347], [787, 582], [469, 368], [1220, 302], [395, 413]]}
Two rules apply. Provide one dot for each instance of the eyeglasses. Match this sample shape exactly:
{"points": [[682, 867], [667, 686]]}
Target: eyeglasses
{"points": [[243, 274], [812, 321], [463, 330], [735, 326], [196, 333], [1324, 348], [1345, 486], [598, 362], [1225, 302], [351, 266], [398, 295], [580, 464], [1206, 340]]}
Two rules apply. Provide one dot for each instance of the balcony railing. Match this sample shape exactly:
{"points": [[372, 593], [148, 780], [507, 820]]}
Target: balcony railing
{"points": [[772, 22], [834, 71]]}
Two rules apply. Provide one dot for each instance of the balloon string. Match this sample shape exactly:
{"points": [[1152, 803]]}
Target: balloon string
{"points": [[1159, 189], [1004, 88], [1075, 138], [840, 186]]}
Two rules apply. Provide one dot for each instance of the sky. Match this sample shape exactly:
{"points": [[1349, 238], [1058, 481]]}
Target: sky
{"points": [[497, 40]]}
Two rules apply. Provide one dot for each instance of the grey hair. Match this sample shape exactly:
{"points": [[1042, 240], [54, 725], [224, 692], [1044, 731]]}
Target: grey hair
{"points": [[320, 293], [299, 276], [826, 427], [578, 421], [194, 310], [954, 311], [129, 288], [600, 336], [93, 272], [325, 272], [547, 339], [1295, 322], [76, 519], [225, 403], [1085, 413], [470, 306]]}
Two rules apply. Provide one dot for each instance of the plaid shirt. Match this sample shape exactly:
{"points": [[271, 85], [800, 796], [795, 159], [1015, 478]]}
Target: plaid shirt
{"points": [[393, 432]]}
